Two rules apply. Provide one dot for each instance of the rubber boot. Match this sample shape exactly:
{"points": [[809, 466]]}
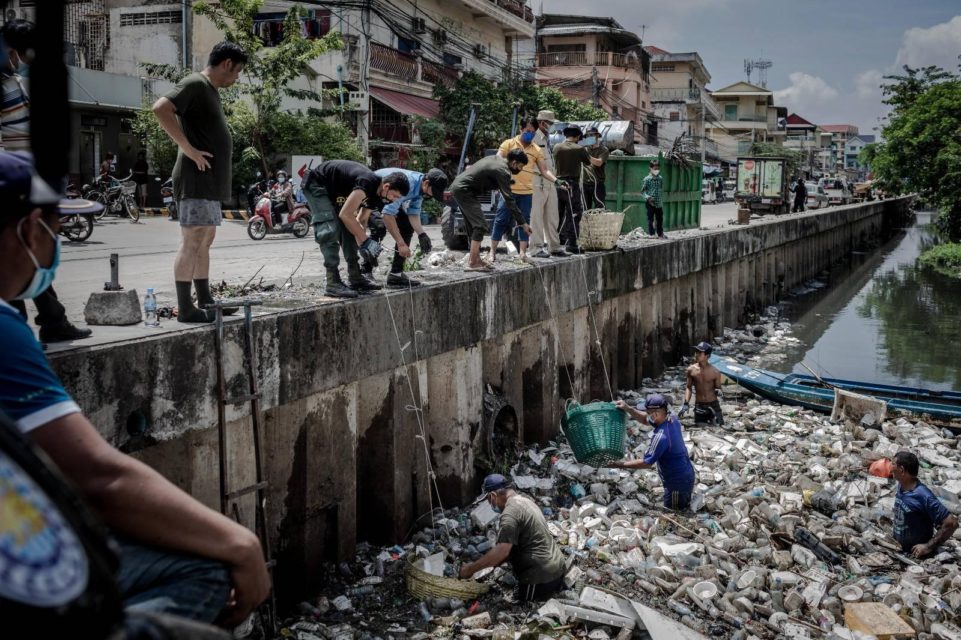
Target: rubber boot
{"points": [[336, 287], [186, 311], [401, 280], [204, 297], [358, 282]]}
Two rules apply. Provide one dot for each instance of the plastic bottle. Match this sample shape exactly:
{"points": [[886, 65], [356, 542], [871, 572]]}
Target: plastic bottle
{"points": [[362, 590], [150, 309]]}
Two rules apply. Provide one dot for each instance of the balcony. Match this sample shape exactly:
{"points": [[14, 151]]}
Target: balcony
{"points": [[514, 15], [402, 71], [585, 59], [693, 96]]}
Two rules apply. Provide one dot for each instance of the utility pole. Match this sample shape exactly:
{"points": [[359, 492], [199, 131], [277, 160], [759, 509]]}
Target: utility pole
{"points": [[363, 115], [595, 88]]}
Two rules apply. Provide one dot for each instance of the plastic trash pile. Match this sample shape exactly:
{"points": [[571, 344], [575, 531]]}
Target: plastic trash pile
{"points": [[789, 538]]}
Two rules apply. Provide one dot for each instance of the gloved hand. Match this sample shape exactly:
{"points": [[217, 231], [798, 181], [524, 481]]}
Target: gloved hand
{"points": [[561, 183], [684, 408], [424, 241], [369, 250], [719, 394]]}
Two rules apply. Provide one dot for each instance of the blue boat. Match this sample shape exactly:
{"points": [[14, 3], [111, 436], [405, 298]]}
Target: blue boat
{"points": [[818, 394]]}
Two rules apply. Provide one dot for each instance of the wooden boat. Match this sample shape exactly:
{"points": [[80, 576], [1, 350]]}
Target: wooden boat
{"points": [[818, 394]]}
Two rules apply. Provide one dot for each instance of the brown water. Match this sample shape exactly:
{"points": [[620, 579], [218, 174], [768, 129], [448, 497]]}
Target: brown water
{"points": [[883, 319]]}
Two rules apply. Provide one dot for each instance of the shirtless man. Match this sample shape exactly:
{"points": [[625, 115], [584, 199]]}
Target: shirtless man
{"points": [[704, 380]]}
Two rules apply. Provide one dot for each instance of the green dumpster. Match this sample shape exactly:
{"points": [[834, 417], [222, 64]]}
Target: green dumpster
{"points": [[682, 191]]}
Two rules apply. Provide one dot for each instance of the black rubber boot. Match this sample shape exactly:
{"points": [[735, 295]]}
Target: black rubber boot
{"points": [[401, 280], [186, 311], [336, 287], [204, 297], [359, 282]]}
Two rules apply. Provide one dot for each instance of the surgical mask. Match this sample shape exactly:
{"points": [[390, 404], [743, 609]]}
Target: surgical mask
{"points": [[281, 180], [590, 141], [515, 169], [23, 70], [495, 508], [43, 276], [655, 172], [527, 137]]}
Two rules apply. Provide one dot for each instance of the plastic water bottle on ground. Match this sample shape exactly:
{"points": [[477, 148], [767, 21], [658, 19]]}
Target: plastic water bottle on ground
{"points": [[150, 309]]}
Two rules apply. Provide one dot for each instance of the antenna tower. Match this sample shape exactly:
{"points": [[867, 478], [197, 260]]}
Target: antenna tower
{"points": [[761, 66]]}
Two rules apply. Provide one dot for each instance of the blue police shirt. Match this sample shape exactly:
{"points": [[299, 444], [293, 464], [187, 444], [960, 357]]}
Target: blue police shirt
{"points": [[30, 393], [916, 514], [414, 199], [668, 451]]}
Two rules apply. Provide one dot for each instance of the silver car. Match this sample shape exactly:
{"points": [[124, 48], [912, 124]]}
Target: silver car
{"points": [[816, 198]]}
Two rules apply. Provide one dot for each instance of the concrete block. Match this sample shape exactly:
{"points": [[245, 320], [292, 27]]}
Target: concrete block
{"points": [[113, 308]]}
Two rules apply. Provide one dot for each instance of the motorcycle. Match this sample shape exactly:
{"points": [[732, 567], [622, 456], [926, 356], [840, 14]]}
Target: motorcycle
{"points": [[272, 214], [167, 192], [75, 227], [116, 195]]}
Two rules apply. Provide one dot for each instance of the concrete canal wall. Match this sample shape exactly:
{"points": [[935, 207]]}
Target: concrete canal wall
{"points": [[345, 450]]}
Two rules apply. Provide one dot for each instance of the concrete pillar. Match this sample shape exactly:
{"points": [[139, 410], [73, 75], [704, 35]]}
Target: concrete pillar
{"points": [[541, 375]]}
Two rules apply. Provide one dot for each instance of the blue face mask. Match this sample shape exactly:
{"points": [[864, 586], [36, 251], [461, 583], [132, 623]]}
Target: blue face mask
{"points": [[23, 70], [590, 141], [494, 507], [527, 137], [43, 276]]}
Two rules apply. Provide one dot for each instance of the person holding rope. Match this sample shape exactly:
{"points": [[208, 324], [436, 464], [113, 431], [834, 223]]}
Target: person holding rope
{"points": [[493, 172], [524, 539], [569, 158], [704, 382], [666, 450], [522, 187], [595, 190]]}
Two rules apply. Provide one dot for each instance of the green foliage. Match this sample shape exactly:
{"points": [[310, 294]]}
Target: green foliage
{"points": [[867, 154], [433, 135], [496, 105], [945, 258], [921, 152], [769, 149]]}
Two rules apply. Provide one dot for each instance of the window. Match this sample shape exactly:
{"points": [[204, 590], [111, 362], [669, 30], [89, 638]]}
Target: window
{"points": [[662, 67], [450, 59], [675, 116], [407, 45], [730, 112], [269, 27], [561, 48], [148, 18]]}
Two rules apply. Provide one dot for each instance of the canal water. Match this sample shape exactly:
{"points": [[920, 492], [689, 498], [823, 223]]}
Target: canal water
{"points": [[882, 319]]}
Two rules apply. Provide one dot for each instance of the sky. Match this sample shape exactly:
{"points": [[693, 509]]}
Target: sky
{"points": [[828, 56]]}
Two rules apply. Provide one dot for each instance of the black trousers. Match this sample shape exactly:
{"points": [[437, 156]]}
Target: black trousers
{"points": [[798, 205], [570, 210], [538, 592], [406, 232], [595, 195], [50, 313], [655, 220]]}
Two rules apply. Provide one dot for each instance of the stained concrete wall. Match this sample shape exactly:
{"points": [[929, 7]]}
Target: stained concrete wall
{"points": [[349, 429]]}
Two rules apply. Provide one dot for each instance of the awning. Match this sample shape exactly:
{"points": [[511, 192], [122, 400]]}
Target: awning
{"points": [[405, 103]]}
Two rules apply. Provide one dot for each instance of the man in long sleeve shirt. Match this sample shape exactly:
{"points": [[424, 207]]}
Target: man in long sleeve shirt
{"points": [[651, 191]]}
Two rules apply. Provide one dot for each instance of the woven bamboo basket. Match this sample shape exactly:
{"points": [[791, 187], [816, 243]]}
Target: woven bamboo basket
{"points": [[422, 585], [600, 229]]}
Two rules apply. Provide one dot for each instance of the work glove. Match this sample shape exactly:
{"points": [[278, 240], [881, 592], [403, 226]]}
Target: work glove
{"points": [[369, 251], [561, 183], [424, 241], [719, 394], [684, 408]]}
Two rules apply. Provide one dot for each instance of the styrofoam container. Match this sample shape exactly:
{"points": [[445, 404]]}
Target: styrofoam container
{"points": [[747, 579], [705, 590], [850, 593]]}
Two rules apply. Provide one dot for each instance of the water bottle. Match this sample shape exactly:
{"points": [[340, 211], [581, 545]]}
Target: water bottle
{"points": [[150, 309]]}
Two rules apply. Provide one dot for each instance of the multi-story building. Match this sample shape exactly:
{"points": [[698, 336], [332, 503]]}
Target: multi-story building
{"points": [[394, 54], [811, 142], [851, 152], [681, 101], [840, 134], [596, 60], [747, 115]]}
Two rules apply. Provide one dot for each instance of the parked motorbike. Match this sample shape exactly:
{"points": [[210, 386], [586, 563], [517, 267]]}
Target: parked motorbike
{"points": [[272, 214], [167, 192], [76, 227], [116, 195]]}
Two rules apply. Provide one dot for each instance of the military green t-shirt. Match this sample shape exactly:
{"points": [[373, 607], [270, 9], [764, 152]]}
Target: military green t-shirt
{"points": [[596, 174], [568, 159], [205, 126], [535, 556]]}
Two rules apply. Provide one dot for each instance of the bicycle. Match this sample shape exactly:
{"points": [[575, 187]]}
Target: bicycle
{"points": [[117, 196]]}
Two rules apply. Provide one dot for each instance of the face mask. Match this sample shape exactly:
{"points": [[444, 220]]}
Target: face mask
{"points": [[495, 508], [655, 172], [527, 137], [282, 180], [590, 141], [515, 169], [43, 276], [23, 70]]}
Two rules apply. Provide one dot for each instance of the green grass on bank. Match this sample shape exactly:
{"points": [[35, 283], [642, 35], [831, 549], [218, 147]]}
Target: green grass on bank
{"points": [[945, 258]]}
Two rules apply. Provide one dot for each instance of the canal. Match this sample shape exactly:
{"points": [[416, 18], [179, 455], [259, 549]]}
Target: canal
{"points": [[882, 319]]}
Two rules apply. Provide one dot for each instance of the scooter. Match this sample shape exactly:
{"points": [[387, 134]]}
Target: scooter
{"points": [[273, 215], [167, 192]]}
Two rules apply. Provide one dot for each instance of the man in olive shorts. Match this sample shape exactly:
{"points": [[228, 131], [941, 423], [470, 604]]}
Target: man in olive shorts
{"points": [[193, 117], [704, 380]]}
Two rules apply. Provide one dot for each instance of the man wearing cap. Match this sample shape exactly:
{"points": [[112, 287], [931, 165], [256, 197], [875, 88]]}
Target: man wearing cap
{"points": [[704, 382], [545, 218], [523, 538], [595, 190], [651, 192], [666, 450], [921, 522], [403, 227], [569, 158], [207, 567]]}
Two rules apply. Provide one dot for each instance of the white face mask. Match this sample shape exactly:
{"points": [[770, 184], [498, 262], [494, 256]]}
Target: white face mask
{"points": [[655, 172]]}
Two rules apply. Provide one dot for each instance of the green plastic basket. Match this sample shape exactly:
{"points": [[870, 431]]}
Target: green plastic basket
{"points": [[595, 432]]}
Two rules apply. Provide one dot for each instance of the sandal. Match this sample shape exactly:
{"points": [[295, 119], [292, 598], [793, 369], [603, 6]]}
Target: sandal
{"points": [[485, 268]]}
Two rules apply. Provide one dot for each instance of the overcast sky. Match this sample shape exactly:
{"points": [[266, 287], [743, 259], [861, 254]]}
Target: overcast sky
{"points": [[828, 55]]}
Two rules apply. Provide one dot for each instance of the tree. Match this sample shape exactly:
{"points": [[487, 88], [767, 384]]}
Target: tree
{"points": [[867, 154], [792, 158]]}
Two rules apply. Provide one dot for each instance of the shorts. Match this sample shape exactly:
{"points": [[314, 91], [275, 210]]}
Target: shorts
{"points": [[677, 499], [708, 413], [538, 592], [470, 207], [195, 212]]}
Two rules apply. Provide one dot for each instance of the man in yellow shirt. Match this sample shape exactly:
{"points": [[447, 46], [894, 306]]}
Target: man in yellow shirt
{"points": [[523, 185]]}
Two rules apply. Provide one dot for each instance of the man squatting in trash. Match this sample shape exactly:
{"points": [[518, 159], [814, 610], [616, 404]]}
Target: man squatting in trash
{"points": [[524, 539], [704, 380], [917, 511], [341, 195], [666, 450]]}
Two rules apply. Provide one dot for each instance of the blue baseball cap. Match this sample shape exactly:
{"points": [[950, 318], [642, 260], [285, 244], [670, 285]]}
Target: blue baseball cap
{"points": [[493, 482], [20, 184], [656, 401], [704, 347]]}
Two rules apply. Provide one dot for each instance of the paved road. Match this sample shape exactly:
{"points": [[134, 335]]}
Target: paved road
{"points": [[147, 250]]}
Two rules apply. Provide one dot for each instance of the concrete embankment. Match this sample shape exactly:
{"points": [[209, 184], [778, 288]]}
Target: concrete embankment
{"points": [[344, 448]]}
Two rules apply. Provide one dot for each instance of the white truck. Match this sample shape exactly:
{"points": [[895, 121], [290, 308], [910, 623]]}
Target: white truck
{"points": [[837, 191]]}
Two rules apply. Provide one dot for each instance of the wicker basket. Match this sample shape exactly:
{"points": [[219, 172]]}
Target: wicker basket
{"points": [[595, 432], [423, 585], [600, 229]]}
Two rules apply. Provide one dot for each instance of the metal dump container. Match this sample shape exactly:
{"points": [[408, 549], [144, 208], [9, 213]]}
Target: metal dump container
{"points": [[682, 191]]}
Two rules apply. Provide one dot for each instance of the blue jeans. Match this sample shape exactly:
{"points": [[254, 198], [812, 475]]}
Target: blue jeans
{"points": [[161, 581], [504, 219]]}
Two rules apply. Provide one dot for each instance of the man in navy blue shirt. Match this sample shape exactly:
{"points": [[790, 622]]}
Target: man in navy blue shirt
{"points": [[917, 511], [666, 450], [205, 568], [403, 227]]}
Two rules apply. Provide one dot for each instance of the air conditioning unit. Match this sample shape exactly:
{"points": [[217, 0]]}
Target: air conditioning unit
{"points": [[479, 51], [419, 25], [440, 36], [358, 101]]}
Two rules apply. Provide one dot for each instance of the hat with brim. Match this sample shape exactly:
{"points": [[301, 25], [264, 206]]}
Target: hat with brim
{"points": [[573, 131], [493, 482], [78, 207], [704, 347], [546, 116]]}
